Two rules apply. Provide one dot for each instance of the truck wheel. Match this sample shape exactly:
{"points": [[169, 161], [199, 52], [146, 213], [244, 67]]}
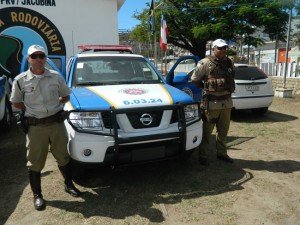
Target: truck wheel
{"points": [[6, 122]]}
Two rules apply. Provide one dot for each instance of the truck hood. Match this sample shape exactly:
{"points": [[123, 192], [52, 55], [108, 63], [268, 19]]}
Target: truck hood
{"points": [[125, 96]]}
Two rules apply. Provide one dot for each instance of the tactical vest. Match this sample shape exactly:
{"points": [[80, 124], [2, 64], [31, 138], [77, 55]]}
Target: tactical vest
{"points": [[220, 76]]}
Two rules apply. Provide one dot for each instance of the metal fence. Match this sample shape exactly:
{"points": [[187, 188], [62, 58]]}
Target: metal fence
{"points": [[278, 69], [272, 69]]}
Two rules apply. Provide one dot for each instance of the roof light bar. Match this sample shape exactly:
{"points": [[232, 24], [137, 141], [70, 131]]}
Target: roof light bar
{"points": [[96, 48]]}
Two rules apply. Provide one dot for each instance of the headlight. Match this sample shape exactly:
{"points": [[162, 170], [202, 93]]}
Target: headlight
{"points": [[191, 112], [87, 121]]}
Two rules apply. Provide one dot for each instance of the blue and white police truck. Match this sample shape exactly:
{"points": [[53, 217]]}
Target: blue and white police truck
{"points": [[122, 110]]}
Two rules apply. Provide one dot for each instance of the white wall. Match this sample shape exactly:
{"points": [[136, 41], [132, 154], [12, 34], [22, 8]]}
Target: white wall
{"points": [[81, 21]]}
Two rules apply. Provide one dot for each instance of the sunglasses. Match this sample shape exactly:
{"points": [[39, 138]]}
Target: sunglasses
{"points": [[222, 48], [35, 56]]}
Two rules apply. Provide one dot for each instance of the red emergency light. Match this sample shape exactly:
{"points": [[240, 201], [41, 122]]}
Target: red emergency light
{"points": [[98, 48]]}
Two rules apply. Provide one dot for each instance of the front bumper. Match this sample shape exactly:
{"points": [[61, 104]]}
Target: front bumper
{"points": [[118, 147]]}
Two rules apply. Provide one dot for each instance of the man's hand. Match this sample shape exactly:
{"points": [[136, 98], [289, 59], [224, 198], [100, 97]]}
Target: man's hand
{"points": [[19, 105]]}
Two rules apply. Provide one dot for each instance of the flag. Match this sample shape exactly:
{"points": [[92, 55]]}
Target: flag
{"points": [[163, 34], [151, 17]]}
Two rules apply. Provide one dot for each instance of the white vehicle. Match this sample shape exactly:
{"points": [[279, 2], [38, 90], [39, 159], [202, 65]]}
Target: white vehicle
{"points": [[253, 89], [122, 111]]}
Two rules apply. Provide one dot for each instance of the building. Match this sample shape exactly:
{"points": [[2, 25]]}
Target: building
{"points": [[58, 25]]}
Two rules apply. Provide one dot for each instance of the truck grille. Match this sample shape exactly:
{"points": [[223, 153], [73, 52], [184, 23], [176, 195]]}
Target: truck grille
{"points": [[107, 120], [138, 120], [148, 119]]}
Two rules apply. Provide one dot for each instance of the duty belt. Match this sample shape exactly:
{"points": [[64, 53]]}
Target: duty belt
{"points": [[50, 119]]}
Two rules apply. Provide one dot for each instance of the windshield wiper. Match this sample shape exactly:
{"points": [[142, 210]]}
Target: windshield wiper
{"points": [[90, 83], [140, 82]]}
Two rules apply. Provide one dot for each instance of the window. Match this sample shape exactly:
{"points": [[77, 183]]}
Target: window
{"points": [[112, 69], [249, 73], [185, 66]]}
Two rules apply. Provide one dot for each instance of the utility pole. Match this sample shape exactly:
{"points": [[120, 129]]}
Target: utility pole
{"points": [[284, 92], [287, 48], [275, 54]]}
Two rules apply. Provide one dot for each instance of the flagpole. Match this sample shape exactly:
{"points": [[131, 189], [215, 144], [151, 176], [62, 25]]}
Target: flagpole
{"points": [[155, 48], [166, 61]]}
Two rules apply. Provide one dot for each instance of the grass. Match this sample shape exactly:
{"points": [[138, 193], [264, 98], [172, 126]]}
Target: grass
{"points": [[190, 193]]}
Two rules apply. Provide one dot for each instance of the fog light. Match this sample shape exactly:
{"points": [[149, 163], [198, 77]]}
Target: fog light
{"points": [[195, 139], [87, 152]]}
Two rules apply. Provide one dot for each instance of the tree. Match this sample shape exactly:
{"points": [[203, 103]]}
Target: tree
{"points": [[192, 23]]}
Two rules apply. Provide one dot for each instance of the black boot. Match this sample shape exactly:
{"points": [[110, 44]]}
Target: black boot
{"points": [[35, 184], [66, 171]]}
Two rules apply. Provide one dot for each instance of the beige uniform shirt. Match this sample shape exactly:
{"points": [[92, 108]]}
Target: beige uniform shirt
{"points": [[40, 94], [200, 73]]}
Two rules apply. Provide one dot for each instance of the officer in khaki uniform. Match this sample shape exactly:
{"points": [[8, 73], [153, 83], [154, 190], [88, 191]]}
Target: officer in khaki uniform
{"points": [[215, 75], [40, 93]]}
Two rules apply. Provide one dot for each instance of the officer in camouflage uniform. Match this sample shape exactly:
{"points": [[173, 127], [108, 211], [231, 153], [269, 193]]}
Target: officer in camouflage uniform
{"points": [[215, 75]]}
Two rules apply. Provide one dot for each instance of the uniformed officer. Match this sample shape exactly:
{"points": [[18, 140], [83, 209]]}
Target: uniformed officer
{"points": [[215, 75], [41, 93]]}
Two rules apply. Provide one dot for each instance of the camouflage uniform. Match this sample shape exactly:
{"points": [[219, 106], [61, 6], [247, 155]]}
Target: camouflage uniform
{"points": [[217, 79]]}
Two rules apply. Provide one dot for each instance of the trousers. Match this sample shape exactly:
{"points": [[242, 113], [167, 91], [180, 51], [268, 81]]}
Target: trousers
{"points": [[42, 138], [219, 118]]}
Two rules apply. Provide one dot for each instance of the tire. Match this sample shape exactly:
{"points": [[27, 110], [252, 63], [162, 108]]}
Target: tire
{"points": [[6, 122], [260, 111]]}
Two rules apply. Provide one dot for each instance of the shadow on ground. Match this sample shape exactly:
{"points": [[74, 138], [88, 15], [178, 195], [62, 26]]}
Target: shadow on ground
{"points": [[135, 190], [128, 191], [13, 172], [247, 116], [142, 190]]}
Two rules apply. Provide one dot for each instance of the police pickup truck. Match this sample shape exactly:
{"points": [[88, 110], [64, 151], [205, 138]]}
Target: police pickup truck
{"points": [[122, 110]]}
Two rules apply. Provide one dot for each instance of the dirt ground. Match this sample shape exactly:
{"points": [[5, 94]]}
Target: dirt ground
{"points": [[261, 187]]}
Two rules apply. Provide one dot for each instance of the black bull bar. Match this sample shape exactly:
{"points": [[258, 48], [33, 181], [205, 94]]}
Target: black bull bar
{"points": [[180, 134]]}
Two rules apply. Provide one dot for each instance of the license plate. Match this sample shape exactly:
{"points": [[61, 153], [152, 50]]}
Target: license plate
{"points": [[148, 153], [252, 87]]}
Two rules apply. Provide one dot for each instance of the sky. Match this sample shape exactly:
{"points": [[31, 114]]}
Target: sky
{"points": [[125, 19]]}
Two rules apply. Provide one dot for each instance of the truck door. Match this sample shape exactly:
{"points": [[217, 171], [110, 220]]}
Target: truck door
{"points": [[179, 76]]}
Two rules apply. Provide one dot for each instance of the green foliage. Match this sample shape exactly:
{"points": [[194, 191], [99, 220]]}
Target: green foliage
{"points": [[192, 22], [231, 52]]}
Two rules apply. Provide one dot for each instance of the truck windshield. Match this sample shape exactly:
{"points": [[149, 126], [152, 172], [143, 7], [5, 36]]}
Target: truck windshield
{"points": [[101, 70]]}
